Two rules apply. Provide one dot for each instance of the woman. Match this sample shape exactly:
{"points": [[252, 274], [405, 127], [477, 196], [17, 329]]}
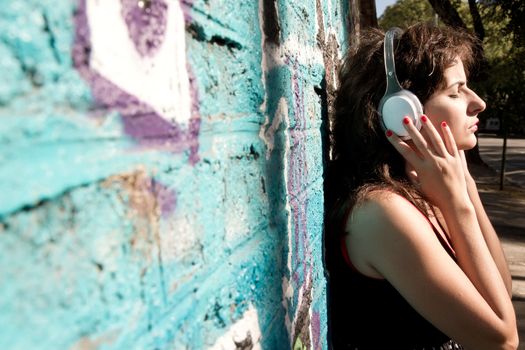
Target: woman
{"points": [[413, 260]]}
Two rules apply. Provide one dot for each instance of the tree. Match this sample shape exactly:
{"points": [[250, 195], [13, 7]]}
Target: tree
{"points": [[447, 13], [362, 15], [505, 50], [476, 19]]}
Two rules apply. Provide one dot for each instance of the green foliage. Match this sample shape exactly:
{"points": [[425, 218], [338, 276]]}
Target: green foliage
{"points": [[503, 81], [505, 52]]}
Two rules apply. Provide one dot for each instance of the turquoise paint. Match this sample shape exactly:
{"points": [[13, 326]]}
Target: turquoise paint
{"points": [[14, 83], [86, 256]]}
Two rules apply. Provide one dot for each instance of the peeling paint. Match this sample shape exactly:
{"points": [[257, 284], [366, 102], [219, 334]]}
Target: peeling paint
{"points": [[267, 133], [244, 334], [146, 21], [144, 242], [94, 343]]}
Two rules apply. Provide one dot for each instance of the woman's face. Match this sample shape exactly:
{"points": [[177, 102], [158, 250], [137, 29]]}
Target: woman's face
{"points": [[456, 105]]}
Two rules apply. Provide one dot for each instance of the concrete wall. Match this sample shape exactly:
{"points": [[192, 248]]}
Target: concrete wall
{"points": [[161, 170]]}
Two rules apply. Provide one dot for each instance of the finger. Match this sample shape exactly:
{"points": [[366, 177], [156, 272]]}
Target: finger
{"points": [[403, 148], [418, 139], [463, 159], [412, 176], [434, 136], [464, 162], [449, 140], [462, 156]]}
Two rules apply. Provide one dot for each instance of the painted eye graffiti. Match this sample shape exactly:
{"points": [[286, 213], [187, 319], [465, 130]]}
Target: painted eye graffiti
{"points": [[139, 69]]}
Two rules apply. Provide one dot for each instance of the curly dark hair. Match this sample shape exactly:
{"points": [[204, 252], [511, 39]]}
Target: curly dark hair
{"points": [[361, 157]]}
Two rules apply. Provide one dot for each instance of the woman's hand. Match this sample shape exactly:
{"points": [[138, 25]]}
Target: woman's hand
{"points": [[468, 177], [439, 165]]}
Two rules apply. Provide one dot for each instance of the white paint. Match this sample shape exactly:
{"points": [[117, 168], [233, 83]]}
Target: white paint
{"points": [[236, 218], [335, 78], [162, 80], [294, 47], [287, 286], [286, 172], [287, 290], [180, 237], [329, 9], [267, 133], [247, 326], [305, 54]]}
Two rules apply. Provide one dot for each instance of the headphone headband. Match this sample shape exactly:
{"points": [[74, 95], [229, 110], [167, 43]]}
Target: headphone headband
{"points": [[396, 102], [392, 84]]}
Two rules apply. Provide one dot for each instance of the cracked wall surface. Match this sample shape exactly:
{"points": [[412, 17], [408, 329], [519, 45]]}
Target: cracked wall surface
{"points": [[161, 173]]}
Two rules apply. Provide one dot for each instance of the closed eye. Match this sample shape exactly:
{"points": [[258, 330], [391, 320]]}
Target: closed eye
{"points": [[455, 89]]}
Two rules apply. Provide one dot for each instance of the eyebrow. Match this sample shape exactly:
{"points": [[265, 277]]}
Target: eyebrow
{"points": [[459, 82]]}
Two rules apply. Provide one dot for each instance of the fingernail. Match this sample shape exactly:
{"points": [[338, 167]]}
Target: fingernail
{"points": [[424, 118], [389, 133], [444, 124], [406, 120]]}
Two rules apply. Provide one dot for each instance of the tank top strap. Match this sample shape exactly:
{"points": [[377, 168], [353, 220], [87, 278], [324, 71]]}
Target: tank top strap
{"points": [[442, 239]]}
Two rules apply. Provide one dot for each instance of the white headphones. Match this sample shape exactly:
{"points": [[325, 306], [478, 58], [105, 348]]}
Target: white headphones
{"points": [[397, 103]]}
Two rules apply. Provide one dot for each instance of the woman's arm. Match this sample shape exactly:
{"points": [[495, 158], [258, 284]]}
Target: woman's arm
{"points": [[439, 167], [465, 300]]}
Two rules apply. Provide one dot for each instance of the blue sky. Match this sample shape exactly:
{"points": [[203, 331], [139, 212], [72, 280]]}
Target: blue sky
{"points": [[382, 4]]}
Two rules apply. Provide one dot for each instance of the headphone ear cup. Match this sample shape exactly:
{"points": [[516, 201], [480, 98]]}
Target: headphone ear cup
{"points": [[395, 107]]}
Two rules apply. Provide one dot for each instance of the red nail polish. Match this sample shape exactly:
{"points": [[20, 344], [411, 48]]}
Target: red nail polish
{"points": [[389, 133], [444, 124], [406, 120], [424, 118]]}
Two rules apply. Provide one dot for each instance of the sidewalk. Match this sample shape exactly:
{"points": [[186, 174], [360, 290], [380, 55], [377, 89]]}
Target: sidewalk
{"points": [[506, 210]]}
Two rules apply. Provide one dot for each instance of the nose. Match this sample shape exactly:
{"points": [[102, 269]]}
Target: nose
{"points": [[476, 104]]}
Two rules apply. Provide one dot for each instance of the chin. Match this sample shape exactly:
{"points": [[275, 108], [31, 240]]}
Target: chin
{"points": [[468, 143]]}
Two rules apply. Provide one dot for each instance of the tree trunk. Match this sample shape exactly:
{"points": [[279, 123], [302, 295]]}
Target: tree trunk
{"points": [[476, 19], [362, 15], [368, 13], [447, 13]]}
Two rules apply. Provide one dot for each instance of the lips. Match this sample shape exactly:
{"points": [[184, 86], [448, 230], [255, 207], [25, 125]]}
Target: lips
{"points": [[474, 127]]}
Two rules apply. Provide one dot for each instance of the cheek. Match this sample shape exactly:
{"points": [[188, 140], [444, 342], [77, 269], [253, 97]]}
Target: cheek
{"points": [[435, 113], [436, 120], [439, 114]]}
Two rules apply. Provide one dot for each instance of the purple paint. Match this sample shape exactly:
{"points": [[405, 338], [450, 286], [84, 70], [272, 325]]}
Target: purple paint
{"points": [[298, 175], [146, 21], [166, 198], [316, 330], [186, 6], [302, 270], [140, 120]]}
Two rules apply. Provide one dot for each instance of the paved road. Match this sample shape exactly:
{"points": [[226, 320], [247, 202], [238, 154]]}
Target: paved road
{"points": [[507, 211], [491, 152]]}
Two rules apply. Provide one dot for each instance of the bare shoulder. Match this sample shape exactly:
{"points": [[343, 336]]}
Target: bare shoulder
{"points": [[382, 208], [390, 238], [381, 222]]}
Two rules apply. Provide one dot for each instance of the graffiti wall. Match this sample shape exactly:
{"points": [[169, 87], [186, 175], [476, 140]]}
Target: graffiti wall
{"points": [[161, 173]]}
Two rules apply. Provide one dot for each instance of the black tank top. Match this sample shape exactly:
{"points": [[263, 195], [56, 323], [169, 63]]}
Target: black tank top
{"points": [[368, 313]]}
